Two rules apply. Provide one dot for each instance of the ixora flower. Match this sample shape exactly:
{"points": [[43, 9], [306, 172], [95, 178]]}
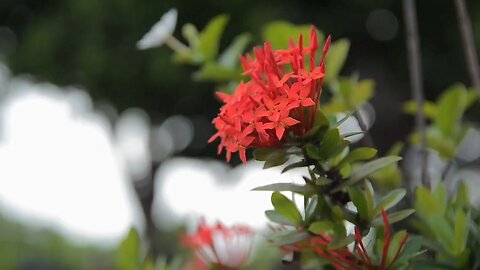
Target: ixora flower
{"points": [[226, 247], [343, 259], [160, 32], [281, 96]]}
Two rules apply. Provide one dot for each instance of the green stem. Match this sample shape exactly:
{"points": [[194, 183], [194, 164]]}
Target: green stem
{"points": [[176, 45]]}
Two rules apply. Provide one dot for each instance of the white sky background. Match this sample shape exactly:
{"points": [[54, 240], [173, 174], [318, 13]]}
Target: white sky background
{"points": [[58, 165]]}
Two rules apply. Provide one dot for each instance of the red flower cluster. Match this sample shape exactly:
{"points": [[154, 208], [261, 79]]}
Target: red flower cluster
{"points": [[343, 259], [223, 246], [283, 94]]}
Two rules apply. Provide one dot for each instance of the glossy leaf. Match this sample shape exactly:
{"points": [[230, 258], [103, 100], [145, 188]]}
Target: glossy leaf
{"points": [[389, 200], [286, 208], [393, 217], [411, 249], [319, 227], [361, 153], [313, 152], [272, 157], [359, 200], [395, 244], [301, 189], [366, 169], [295, 165], [311, 208], [341, 242], [329, 144], [282, 238], [273, 216]]}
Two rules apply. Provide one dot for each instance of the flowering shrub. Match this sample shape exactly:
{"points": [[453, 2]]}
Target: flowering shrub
{"points": [[226, 247], [344, 222], [282, 95]]}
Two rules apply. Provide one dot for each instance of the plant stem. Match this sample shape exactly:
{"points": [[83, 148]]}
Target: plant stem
{"points": [[416, 81], [176, 45], [471, 58]]}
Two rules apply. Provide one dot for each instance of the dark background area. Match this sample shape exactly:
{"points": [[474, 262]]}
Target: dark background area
{"points": [[91, 43]]}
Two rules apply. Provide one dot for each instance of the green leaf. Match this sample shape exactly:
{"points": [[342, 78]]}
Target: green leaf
{"points": [[312, 151], [329, 144], [214, 72], [395, 243], [321, 120], [362, 93], [389, 200], [366, 169], [272, 157], [369, 196], [444, 232], [279, 33], [341, 242], [411, 249], [286, 208], [429, 108], [283, 238], [311, 207], [301, 189], [451, 106], [359, 200], [335, 59], [273, 216], [322, 181], [361, 153], [461, 224], [393, 217], [295, 165], [128, 256], [190, 33], [319, 227], [462, 198], [209, 40], [426, 204], [229, 58]]}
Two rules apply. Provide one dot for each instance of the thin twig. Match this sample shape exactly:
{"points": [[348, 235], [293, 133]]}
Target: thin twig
{"points": [[416, 81], [466, 31], [145, 193]]}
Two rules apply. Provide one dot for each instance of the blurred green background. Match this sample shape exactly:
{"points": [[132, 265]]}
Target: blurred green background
{"points": [[91, 43]]}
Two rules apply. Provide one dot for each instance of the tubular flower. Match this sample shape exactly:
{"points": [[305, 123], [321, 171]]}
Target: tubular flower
{"points": [[343, 259], [227, 247], [281, 96]]}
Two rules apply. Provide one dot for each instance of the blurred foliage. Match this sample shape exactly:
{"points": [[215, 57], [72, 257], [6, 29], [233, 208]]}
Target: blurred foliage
{"points": [[23, 247], [447, 127]]}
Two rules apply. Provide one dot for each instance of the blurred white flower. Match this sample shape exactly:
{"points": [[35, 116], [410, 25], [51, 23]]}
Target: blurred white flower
{"points": [[160, 31]]}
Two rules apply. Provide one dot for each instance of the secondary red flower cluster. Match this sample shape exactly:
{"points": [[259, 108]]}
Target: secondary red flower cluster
{"points": [[343, 259], [223, 246], [282, 95]]}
